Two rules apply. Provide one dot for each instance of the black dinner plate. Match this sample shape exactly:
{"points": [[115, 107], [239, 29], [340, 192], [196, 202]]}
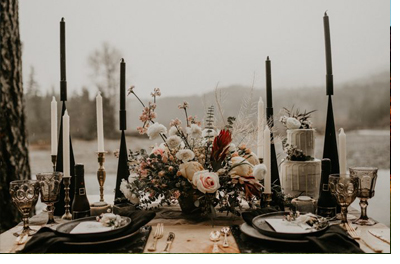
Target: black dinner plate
{"points": [[66, 228], [252, 232], [264, 228]]}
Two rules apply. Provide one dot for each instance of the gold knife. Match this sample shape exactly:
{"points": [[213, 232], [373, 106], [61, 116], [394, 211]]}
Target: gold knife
{"points": [[382, 238], [170, 239]]}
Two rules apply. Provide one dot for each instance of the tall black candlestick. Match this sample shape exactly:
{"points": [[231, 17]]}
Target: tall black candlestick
{"points": [[123, 169], [330, 145], [328, 56], [270, 122], [63, 81]]}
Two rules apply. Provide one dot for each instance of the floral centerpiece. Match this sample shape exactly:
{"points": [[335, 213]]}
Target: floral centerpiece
{"points": [[197, 166]]}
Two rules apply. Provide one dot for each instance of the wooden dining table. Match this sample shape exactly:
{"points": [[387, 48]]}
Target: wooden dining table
{"points": [[192, 234]]}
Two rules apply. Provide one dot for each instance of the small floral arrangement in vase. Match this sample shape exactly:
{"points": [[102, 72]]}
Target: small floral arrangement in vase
{"points": [[197, 166]]}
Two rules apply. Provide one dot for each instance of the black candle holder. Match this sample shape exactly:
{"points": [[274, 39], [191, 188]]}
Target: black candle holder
{"points": [[330, 145]]}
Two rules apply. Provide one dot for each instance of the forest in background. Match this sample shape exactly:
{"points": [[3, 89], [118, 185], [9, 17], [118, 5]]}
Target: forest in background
{"points": [[357, 105]]}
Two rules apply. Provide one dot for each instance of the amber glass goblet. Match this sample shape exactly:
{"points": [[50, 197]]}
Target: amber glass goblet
{"points": [[344, 188], [368, 177], [25, 194], [50, 191]]}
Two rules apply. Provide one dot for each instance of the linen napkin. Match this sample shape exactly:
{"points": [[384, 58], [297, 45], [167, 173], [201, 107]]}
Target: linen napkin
{"points": [[333, 240], [47, 241]]}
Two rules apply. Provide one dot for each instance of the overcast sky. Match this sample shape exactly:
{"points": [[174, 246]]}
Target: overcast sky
{"points": [[186, 47]]}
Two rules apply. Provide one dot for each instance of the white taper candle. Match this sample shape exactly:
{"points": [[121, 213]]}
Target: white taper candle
{"points": [[54, 126], [342, 152], [66, 166], [267, 159], [260, 131], [100, 131]]}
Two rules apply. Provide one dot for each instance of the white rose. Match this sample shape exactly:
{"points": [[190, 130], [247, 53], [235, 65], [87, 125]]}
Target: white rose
{"points": [[155, 130], [173, 131], [292, 123], [174, 141], [127, 192], [241, 167], [185, 155], [194, 131], [252, 159], [259, 171], [206, 182], [133, 177], [188, 169]]}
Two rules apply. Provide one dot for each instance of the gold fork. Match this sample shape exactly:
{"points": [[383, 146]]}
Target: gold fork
{"points": [[158, 233], [352, 232]]}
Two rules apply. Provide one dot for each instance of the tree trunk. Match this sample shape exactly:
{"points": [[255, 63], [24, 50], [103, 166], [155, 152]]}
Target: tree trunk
{"points": [[14, 161]]}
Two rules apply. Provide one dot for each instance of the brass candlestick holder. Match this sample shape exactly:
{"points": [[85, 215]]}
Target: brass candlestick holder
{"points": [[54, 161], [266, 199], [67, 181], [101, 177]]}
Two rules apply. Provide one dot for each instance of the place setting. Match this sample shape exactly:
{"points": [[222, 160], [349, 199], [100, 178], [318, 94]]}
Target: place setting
{"points": [[212, 184]]}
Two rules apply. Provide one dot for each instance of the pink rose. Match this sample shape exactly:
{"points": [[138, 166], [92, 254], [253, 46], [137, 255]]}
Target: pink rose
{"points": [[206, 182]]}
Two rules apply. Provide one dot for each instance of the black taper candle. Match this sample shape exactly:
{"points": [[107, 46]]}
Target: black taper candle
{"points": [[268, 82], [270, 122], [63, 81], [328, 56], [122, 111]]}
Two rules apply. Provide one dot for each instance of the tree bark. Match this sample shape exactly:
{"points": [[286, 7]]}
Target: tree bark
{"points": [[14, 160]]}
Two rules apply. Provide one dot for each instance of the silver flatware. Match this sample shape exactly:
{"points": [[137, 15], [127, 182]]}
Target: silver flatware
{"points": [[158, 233], [225, 230], [170, 239], [382, 238]]}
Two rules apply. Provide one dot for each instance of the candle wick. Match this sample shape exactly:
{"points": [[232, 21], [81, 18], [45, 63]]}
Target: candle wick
{"points": [[267, 57], [62, 19], [122, 60], [325, 12]]}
